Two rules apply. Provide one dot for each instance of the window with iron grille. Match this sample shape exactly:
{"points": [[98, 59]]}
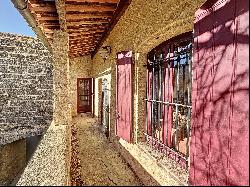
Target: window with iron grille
{"points": [[168, 99]]}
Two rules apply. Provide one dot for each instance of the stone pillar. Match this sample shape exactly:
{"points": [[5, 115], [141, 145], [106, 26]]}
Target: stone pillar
{"points": [[60, 47]]}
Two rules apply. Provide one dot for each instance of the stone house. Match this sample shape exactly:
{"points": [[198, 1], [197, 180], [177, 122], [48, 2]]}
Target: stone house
{"points": [[166, 80]]}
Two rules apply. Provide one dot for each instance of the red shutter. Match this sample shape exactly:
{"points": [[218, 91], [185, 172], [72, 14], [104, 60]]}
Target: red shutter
{"points": [[168, 96], [220, 144], [149, 104], [124, 95]]}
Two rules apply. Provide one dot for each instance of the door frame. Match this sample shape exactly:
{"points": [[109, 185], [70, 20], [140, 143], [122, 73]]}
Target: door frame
{"points": [[92, 98]]}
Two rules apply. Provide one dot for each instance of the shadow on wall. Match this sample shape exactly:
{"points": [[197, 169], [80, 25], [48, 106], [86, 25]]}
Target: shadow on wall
{"points": [[219, 144], [31, 146]]}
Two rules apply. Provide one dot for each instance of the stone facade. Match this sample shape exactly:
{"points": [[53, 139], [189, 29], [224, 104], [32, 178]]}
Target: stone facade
{"points": [[26, 87], [143, 26]]}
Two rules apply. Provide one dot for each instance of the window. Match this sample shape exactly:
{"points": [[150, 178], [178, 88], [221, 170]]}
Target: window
{"points": [[168, 99]]}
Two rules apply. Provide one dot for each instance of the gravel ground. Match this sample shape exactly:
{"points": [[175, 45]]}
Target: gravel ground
{"points": [[100, 164]]}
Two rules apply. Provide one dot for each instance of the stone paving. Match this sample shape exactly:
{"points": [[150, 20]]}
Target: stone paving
{"points": [[100, 163]]}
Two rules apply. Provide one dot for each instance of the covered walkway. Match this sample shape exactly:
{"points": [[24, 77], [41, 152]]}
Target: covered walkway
{"points": [[100, 163]]}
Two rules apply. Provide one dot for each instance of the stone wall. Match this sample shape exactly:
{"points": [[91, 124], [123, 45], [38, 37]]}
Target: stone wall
{"points": [[26, 87]]}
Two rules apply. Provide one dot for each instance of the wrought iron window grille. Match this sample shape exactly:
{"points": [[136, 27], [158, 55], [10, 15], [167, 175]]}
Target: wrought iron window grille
{"points": [[168, 98]]}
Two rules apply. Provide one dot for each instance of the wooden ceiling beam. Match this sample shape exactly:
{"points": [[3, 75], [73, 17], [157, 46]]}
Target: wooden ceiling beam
{"points": [[84, 33], [87, 8], [85, 27], [87, 38], [41, 2], [87, 41], [48, 21], [71, 31], [83, 46], [43, 18], [50, 24], [34, 8], [122, 6], [93, 1], [78, 23], [83, 16]]}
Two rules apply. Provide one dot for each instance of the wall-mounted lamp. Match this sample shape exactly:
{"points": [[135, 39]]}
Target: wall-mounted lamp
{"points": [[105, 52]]}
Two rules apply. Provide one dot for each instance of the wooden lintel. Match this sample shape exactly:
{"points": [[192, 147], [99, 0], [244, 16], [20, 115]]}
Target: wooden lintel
{"points": [[77, 23], [87, 8], [73, 31], [94, 1], [36, 8], [85, 33], [83, 16], [46, 18], [122, 6]]}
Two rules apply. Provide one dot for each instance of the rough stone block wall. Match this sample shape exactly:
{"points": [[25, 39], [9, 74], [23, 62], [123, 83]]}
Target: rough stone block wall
{"points": [[26, 87]]}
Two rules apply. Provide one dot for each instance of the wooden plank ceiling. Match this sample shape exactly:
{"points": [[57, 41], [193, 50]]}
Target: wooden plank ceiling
{"points": [[88, 22]]}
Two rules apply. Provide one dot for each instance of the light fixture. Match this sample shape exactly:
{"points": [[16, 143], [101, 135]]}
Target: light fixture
{"points": [[105, 52]]}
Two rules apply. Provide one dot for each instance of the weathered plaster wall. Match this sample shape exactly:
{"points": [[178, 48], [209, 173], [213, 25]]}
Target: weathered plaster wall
{"points": [[144, 25], [12, 160], [26, 87], [79, 67]]}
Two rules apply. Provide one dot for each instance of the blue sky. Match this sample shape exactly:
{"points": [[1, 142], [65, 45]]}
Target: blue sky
{"points": [[11, 20]]}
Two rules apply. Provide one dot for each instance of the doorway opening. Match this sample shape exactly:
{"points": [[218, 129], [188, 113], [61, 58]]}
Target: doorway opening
{"points": [[85, 99], [105, 106]]}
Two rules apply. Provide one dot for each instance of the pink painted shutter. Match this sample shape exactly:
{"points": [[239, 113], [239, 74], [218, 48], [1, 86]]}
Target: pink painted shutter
{"points": [[219, 152], [168, 96], [124, 95], [149, 104]]}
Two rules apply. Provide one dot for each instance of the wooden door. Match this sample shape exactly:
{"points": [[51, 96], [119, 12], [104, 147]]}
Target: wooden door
{"points": [[84, 95], [124, 95], [219, 152]]}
